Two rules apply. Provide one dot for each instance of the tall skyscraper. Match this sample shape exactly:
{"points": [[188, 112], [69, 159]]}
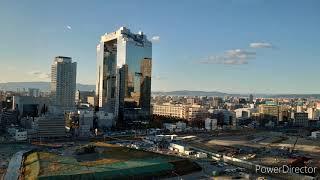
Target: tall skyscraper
{"points": [[123, 87], [63, 82]]}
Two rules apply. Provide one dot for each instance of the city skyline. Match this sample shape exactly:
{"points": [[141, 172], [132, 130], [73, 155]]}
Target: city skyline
{"points": [[270, 47]]}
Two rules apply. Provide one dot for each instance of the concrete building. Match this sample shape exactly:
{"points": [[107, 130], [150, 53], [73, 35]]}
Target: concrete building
{"points": [[196, 112], [315, 134], [190, 101], [91, 100], [29, 105], [211, 124], [269, 111], [173, 110], [51, 125], [123, 87], [105, 120], [217, 102], [175, 127], [21, 135], [300, 119], [313, 113], [17, 133], [63, 83], [300, 109], [245, 112], [178, 147], [86, 118], [34, 92], [82, 96], [169, 126], [224, 117]]}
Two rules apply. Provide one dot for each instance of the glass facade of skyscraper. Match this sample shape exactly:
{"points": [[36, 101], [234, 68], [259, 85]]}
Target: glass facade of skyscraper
{"points": [[124, 75]]}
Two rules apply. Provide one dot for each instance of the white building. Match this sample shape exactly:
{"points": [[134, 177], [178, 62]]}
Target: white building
{"points": [[313, 113], [315, 134], [201, 155], [63, 82], [167, 109], [300, 109], [211, 124], [178, 147], [21, 135], [245, 112]]}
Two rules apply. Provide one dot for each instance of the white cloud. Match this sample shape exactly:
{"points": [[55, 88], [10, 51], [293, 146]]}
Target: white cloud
{"points": [[230, 57], [69, 27], [40, 75], [155, 38], [260, 45]]}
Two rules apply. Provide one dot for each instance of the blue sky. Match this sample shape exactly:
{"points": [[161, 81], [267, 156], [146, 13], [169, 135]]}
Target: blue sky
{"points": [[246, 46]]}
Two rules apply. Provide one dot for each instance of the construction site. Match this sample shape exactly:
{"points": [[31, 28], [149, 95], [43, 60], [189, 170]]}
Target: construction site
{"points": [[101, 161], [266, 148]]}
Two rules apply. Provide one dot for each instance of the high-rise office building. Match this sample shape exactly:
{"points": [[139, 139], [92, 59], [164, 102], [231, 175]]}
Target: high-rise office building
{"points": [[123, 87], [63, 82]]}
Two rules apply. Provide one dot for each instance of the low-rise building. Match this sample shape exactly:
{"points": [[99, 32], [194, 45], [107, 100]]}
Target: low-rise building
{"points": [[167, 109], [29, 105], [51, 125], [245, 112], [315, 134], [211, 124], [178, 147], [300, 119], [91, 100], [169, 126], [86, 118], [21, 135], [82, 96], [181, 126], [196, 112], [17, 133], [105, 120]]}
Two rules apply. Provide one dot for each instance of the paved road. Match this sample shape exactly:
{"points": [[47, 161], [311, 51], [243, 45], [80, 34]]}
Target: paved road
{"points": [[13, 170]]}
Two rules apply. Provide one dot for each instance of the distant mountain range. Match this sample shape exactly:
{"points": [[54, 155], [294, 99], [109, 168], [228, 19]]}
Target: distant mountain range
{"points": [[190, 93], [43, 86], [221, 94]]}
